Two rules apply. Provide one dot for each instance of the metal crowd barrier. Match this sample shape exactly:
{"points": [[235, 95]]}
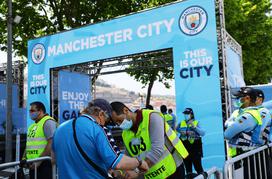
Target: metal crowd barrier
{"points": [[14, 166], [253, 164], [212, 172]]}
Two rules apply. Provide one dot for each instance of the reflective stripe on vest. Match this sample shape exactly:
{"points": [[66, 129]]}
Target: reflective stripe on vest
{"points": [[184, 127], [140, 143], [36, 141], [266, 132], [176, 142]]}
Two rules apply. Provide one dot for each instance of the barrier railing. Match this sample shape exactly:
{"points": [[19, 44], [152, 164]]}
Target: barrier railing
{"points": [[252, 164], [212, 171], [15, 166]]}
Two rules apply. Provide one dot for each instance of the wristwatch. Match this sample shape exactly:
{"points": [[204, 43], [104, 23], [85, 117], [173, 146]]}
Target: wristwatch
{"points": [[139, 160]]}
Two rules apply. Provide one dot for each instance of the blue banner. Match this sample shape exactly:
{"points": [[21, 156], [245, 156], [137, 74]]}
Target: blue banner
{"points": [[234, 70], [197, 80], [74, 94], [3, 96], [187, 27], [18, 121]]}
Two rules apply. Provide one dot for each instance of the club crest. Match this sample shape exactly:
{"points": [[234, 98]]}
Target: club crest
{"points": [[38, 53], [193, 20]]}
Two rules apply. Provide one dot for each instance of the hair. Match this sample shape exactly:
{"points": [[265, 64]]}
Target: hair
{"points": [[39, 105], [149, 107], [170, 110], [253, 99], [118, 107], [91, 109], [163, 109]]}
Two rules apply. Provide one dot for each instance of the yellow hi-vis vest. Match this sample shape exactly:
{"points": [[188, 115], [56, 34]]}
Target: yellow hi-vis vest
{"points": [[140, 142], [36, 141], [232, 152], [183, 124], [167, 117], [256, 114]]}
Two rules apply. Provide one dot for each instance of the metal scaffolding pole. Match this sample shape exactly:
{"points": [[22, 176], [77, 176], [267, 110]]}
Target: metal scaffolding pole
{"points": [[8, 137]]}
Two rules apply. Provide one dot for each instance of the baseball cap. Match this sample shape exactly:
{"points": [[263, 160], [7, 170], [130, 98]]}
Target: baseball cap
{"points": [[259, 93], [245, 91], [104, 105], [188, 111]]}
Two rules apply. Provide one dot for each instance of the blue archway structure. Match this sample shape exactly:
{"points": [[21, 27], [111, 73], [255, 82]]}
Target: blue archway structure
{"points": [[188, 28]]}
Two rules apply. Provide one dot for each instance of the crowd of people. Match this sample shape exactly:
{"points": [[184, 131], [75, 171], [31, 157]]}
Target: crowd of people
{"points": [[155, 145]]}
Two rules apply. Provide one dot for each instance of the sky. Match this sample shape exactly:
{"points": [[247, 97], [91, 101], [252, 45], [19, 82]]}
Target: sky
{"points": [[127, 82], [123, 80]]}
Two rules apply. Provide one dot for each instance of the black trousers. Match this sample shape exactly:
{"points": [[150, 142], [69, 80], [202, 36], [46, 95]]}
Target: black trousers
{"points": [[179, 173], [193, 158], [44, 171]]}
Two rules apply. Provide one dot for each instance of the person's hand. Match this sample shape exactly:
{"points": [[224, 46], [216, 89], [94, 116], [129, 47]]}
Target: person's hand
{"points": [[144, 167], [190, 133], [32, 166], [117, 174], [23, 163], [131, 174]]}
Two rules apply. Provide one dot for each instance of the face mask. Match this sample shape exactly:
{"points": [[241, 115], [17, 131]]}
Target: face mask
{"points": [[34, 115], [187, 117], [238, 103], [126, 124]]}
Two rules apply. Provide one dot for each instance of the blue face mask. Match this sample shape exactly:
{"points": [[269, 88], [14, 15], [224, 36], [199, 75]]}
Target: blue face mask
{"points": [[126, 124], [238, 103], [187, 117], [34, 115]]}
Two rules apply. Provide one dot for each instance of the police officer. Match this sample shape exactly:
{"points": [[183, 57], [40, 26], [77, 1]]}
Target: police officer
{"points": [[146, 135], [246, 124], [39, 139], [167, 117], [190, 134], [266, 116], [232, 152]]}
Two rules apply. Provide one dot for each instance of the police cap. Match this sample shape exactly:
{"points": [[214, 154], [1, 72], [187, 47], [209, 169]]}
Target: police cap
{"points": [[188, 111], [245, 91], [259, 93]]}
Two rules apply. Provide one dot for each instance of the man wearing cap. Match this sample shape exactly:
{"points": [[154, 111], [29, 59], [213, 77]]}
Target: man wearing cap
{"points": [[243, 123], [266, 117], [190, 134], [84, 148], [146, 135]]}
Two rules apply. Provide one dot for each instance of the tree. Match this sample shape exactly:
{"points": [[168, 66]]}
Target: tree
{"points": [[248, 22], [152, 67]]}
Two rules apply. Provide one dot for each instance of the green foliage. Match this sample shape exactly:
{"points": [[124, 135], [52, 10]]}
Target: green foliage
{"points": [[249, 23]]}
